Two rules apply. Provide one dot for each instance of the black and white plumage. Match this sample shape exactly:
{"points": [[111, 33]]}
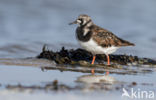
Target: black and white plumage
{"points": [[96, 39]]}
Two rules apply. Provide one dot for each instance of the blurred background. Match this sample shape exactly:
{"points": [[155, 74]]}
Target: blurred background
{"points": [[25, 25]]}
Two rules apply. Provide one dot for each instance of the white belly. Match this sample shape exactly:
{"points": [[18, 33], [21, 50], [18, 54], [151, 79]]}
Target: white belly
{"points": [[92, 47]]}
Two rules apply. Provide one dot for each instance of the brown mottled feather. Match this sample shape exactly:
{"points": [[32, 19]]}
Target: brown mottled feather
{"points": [[106, 38]]}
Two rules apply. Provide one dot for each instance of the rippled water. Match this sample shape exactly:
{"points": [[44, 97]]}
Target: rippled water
{"points": [[25, 25]]}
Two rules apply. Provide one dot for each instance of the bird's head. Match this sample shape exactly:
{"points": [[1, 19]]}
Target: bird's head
{"points": [[82, 20]]}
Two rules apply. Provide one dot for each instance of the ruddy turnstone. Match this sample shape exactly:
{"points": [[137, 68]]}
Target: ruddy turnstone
{"points": [[96, 39]]}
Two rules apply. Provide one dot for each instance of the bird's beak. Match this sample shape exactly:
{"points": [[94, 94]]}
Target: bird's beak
{"points": [[74, 22]]}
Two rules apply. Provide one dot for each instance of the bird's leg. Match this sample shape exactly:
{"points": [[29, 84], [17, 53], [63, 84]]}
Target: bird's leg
{"points": [[108, 63], [93, 60], [108, 60]]}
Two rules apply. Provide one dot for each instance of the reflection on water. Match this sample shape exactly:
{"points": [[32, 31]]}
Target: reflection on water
{"points": [[32, 78], [96, 79]]}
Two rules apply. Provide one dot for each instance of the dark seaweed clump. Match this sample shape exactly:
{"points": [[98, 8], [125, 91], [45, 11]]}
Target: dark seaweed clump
{"points": [[65, 56]]}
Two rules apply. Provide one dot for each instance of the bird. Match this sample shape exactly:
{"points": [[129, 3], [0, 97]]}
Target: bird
{"points": [[96, 39]]}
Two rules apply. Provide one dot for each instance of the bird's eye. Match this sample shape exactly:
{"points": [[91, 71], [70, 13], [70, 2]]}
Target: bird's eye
{"points": [[79, 20]]}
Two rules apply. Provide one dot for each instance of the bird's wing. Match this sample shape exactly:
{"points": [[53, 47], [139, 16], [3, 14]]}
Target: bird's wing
{"points": [[106, 38]]}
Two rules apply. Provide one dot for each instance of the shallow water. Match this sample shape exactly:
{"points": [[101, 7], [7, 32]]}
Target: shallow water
{"points": [[26, 25], [17, 71]]}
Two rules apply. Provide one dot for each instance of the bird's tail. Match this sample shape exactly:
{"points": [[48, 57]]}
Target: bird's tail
{"points": [[126, 43]]}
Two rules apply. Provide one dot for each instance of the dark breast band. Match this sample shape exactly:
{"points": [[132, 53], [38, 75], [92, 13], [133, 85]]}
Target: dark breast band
{"points": [[81, 37]]}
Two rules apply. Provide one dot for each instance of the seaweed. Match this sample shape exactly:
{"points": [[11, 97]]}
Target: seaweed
{"points": [[83, 57]]}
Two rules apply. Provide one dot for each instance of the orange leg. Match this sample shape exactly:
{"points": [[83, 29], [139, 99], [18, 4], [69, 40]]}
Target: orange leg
{"points": [[92, 71], [108, 63], [93, 60]]}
